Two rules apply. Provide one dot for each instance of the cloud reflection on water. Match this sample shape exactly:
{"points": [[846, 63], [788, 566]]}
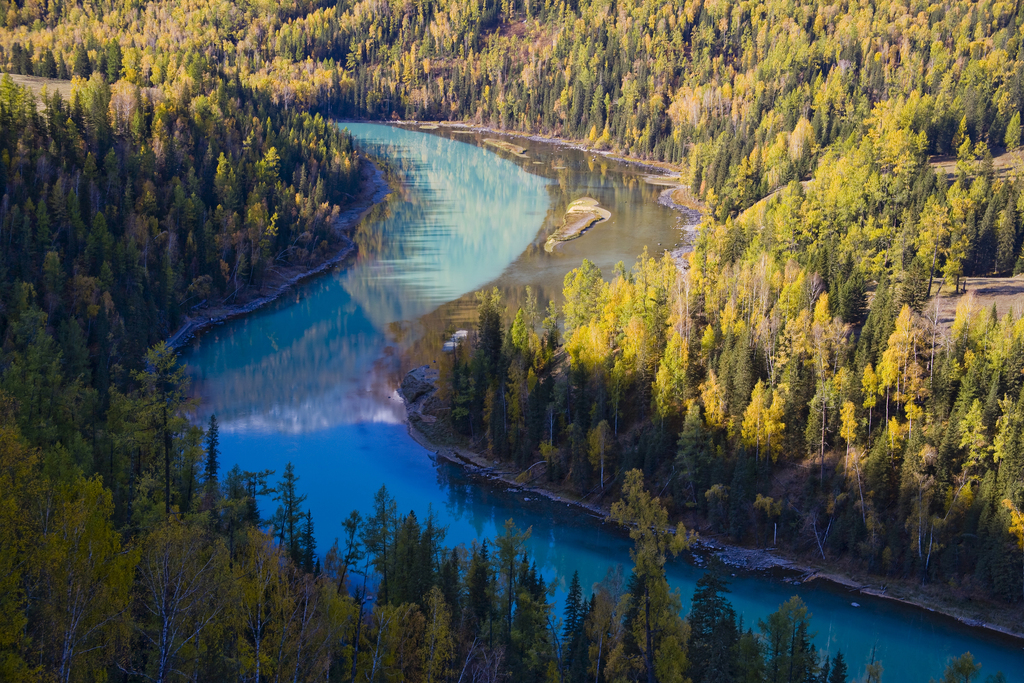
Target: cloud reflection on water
{"points": [[313, 359]]}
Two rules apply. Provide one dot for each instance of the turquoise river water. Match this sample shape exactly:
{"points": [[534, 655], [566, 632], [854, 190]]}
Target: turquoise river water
{"points": [[311, 379]]}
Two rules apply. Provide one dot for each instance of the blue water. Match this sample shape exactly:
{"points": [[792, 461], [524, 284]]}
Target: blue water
{"points": [[311, 380]]}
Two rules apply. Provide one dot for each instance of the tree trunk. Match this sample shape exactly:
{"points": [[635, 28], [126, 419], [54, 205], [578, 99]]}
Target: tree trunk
{"points": [[931, 273], [359, 624], [821, 475]]}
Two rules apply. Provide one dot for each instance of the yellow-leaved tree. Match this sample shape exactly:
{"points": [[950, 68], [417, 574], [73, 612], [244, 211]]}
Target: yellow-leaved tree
{"points": [[900, 371], [1016, 522], [599, 440], [762, 420]]}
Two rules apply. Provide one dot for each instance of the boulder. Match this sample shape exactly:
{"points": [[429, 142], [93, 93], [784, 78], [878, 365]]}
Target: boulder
{"points": [[419, 382]]}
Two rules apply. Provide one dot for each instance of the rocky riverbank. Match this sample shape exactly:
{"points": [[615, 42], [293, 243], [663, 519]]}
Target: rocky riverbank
{"points": [[374, 189]]}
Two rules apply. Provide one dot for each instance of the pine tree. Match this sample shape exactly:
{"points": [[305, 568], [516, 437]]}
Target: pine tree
{"points": [[510, 546], [574, 643], [212, 450], [789, 654], [573, 607], [490, 333], [308, 544], [713, 632], [838, 672], [288, 515], [379, 536], [478, 586]]}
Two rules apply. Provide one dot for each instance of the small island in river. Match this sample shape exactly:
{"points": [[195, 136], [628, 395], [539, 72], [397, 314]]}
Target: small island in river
{"points": [[581, 215], [506, 146]]}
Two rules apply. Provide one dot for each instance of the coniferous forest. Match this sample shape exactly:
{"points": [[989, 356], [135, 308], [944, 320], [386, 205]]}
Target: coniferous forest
{"points": [[797, 384]]}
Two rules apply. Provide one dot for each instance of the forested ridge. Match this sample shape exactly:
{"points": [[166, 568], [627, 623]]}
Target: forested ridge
{"points": [[746, 96]]}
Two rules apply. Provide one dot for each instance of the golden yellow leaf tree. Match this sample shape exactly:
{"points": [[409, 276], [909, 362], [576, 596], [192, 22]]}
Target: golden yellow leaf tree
{"points": [[900, 370], [598, 441], [1016, 522], [762, 420]]}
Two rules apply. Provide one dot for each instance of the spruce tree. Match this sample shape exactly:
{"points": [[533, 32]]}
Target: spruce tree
{"points": [[379, 535], [713, 632], [288, 515], [212, 449], [838, 672], [789, 653], [478, 586], [573, 607], [574, 643], [308, 544]]}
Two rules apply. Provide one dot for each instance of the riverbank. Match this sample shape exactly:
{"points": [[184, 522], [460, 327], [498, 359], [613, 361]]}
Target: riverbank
{"points": [[374, 188], [676, 195], [649, 164], [426, 425]]}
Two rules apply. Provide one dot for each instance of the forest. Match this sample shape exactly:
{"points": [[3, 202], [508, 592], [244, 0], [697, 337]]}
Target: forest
{"points": [[766, 399], [744, 96], [204, 592], [793, 386]]}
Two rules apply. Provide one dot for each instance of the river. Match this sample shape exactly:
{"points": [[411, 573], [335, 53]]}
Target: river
{"points": [[311, 378]]}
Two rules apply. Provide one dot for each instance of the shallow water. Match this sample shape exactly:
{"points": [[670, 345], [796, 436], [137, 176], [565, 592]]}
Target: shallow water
{"points": [[310, 379]]}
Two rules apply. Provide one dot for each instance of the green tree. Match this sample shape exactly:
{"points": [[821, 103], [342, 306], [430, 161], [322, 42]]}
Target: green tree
{"points": [[509, 546], [584, 292], [113, 61], [287, 519], [713, 632], [212, 450], [790, 657], [307, 544], [837, 672], [962, 669], [164, 403], [489, 311], [182, 576], [438, 641], [19, 484], [1012, 138], [379, 535], [1016, 522], [84, 579], [259, 575], [656, 625], [574, 639]]}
